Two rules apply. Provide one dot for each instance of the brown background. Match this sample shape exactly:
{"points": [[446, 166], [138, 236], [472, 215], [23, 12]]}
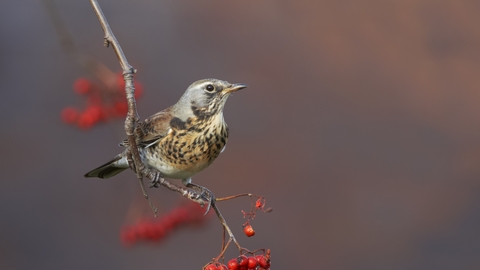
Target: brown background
{"points": [[360, 126]]}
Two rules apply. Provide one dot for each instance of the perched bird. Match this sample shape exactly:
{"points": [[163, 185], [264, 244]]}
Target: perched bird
{"points": [[183, 139]]}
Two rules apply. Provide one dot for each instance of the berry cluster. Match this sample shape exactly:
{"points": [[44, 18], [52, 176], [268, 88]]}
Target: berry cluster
{"points": [[242, 262], [102, 103], [259, 205], [157, 229]]}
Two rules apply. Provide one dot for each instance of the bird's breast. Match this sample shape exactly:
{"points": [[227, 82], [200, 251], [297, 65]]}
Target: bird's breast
{"points": [[185, 152]]}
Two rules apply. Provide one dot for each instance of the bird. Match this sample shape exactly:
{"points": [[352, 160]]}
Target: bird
{"points": [[183, 139]]}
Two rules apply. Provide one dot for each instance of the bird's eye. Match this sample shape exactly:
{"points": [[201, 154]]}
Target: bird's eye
{"points": [[210, 88]]}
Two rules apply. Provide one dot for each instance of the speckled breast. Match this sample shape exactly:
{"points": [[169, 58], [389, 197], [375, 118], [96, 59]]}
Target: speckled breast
{"points": [[188, 148]]}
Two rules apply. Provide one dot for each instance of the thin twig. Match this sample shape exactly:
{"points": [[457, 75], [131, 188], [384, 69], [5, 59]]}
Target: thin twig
{"points": [[235, 196], [225, 225]]}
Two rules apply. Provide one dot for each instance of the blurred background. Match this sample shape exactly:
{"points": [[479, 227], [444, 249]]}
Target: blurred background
{"points": [[360, 127]]}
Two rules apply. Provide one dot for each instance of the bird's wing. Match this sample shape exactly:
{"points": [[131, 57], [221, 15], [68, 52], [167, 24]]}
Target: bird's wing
{"points": [[152, 129]]}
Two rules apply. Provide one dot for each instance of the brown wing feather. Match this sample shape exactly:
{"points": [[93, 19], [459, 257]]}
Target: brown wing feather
{"points": [[153, 128]]}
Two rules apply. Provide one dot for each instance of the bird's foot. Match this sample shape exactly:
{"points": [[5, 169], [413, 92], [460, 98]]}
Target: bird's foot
{"points": [[205, 196], [156, 180]]}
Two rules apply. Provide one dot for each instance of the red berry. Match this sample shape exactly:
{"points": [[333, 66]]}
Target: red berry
{"points": [[233, 264], [222, 267], [211, 267], [242, 260], [248, 230], [69, 115], [252, 263], [81, 86], [259, 203], [263, 262]]}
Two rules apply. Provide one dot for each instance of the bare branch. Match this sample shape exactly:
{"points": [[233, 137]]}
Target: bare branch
{"points": [[132, 115]]}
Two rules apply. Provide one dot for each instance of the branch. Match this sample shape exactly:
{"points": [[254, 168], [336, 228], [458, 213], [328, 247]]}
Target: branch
{"points": [[134, 159], [132, 115]]}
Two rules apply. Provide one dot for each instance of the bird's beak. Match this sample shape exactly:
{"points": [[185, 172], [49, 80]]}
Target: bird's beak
{"points": [[234, 88]]}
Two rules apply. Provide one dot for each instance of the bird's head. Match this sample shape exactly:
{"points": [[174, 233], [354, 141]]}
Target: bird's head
{"points": [[207, 97]]}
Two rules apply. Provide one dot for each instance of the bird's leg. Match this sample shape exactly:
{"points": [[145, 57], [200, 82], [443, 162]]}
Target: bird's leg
{"points": [[205, 193]]}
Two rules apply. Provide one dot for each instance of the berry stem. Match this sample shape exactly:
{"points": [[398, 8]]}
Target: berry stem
{"points": [[227, 228], [235, 196]]}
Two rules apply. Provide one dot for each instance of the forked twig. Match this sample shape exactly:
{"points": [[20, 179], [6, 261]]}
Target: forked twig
{"points": [[229, 232], [132, 115]]}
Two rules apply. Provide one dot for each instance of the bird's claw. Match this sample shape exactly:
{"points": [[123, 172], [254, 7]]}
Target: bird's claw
{"points": [[156, 181], [206, 196]]}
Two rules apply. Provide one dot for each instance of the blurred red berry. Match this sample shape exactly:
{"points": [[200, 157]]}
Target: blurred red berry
{"points": [[69, 115], [211, 267], [85, 121], [233, 264], [128, 236], [252, 263], [242, 260], [248, 230], [160, 229], [82, 86], [151, 231], [95, 112], [121, 108], [168, 223], [142, 229]]}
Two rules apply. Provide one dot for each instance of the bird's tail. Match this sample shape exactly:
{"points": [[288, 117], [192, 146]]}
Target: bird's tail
{"points": [[111, 168]]}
